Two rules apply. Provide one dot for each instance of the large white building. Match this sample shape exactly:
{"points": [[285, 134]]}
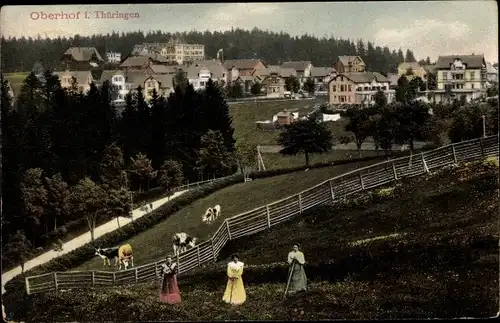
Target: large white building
{"points": [[358, 88], [460, 76], [114, 57], [199, 73], [175, 51]]}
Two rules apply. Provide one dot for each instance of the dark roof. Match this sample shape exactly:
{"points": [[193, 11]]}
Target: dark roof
{"points": [[283, 72], [365, 77], [346, 59], [83, 53], [166, 81], [472, 61], [241, 63], [135, 61], [298, 66]]}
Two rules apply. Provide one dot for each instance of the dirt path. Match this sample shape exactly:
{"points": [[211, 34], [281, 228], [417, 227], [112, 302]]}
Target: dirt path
{"points": [[83, 239]]}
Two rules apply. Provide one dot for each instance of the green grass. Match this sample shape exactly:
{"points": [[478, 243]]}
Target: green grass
{"points": [[276, 160], [16, 80], [446, 264], [153, 244], [245, 114]]}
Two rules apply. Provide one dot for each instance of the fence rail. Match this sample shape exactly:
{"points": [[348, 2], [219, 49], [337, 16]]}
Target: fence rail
{"points": [[264, 217]]}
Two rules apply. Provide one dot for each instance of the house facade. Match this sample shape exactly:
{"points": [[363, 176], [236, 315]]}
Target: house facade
{"points": [[81, 59], [83, 79], [163, 84], [114, 57], [242, 67], [350, 64], [137, 63], [123, 81], [358, 88], [322, 76], [412, 68], [491, 73], [460, 76], [302, 68], [274, 85]]}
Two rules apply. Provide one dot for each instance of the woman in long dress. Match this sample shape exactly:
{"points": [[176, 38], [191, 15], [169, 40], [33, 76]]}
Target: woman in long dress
{"points": [[235, 290], [170, 290], [298, 279]]}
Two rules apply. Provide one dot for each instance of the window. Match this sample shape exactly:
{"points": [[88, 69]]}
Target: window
{"points": [[202, 83], [472, 76], [342, 88], [472, 85], [349, 99], [384, 88], [349, 87], [359, 89], [445, 76], [120, 87], [334, 88]]}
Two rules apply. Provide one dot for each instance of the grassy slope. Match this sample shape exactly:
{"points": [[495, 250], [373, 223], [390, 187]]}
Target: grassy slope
{"points": [[16, 80], [446, 265], [245, 114], [156, 242]]}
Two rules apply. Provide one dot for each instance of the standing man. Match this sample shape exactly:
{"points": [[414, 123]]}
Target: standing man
{"points": [[297, 280]]}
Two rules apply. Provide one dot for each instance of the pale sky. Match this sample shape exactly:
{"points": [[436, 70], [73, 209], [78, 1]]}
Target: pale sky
{"points": [[428, 28]]}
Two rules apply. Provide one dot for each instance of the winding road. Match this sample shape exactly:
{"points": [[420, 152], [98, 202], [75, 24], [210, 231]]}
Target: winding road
{"points": [[84, 239]]}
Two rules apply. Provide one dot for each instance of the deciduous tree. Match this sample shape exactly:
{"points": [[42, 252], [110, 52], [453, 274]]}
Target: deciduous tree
{"points": [[19, 249], [292, 84], [142, 167], [58, 197], [305, 136], [213, 158], [309, 85], [359, 124], [170, 175], [35, 198]]}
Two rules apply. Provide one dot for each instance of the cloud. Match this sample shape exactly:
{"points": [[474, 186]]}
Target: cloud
{"points": [[242, 15]]}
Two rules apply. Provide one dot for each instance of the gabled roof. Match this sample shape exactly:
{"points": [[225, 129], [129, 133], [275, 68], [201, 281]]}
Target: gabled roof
{"points": [[490, 69], [364, 77], [408, 65], [393, 78], [245, 64], [472, 61], [166, 81], [245, 78], [135, 61], [80, 76], [283, 72], [346, 59], [284, 113], [321, 71], [82, 54], [135, 78], [162, 69], [299, 66]]}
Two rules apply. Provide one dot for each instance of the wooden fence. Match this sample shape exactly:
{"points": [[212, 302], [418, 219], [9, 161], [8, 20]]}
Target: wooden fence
{"points": [[264, 217]]}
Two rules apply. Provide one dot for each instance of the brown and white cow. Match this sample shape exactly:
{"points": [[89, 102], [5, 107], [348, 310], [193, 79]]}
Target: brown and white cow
{"points": [[181, 241]]}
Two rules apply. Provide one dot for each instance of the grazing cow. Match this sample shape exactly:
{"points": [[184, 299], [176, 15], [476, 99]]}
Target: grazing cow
{"points": [[125, 256], [107, 253], [181, 241], [211, 214]]}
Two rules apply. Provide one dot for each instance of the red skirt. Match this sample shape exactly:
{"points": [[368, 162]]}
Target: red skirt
{"points": [[170, 293]]}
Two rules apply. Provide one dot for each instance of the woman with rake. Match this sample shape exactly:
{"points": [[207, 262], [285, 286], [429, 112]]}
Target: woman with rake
{"points": [[235, 291], [297, 280], [170, 293]]}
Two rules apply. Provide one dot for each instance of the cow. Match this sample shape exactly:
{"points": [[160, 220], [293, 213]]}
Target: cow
{"points": [[180, 242], [107, 253], [211, 214], [125, 256]]}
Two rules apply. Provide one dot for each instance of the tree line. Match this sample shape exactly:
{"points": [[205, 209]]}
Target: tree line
{"points": [[70, 155], [21, 54], [402, 122]]}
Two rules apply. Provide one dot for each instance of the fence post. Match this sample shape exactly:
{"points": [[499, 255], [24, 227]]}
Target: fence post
{"points": [[482, 148], [178, 263], [156, 271], [114, 278], [198, 251], [394, 171], [227, 226], [93, 278], [361, 181], [300, 203], [268, 217], [27, 283], [331, 190], [55, 280], [426, 169], [454, 154], [136, 276]]}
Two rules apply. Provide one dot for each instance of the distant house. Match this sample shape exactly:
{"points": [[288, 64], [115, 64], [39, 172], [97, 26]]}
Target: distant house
{"points": [[81, 59], [114, 57], [321, 76], [358, 88], [350, 64], [274, 84], [242, 67], [303, 69], [491, 73], [285, 117], [412, 68], [262, 73], [199, 74], [124, 81], [460, 76], [83, 79], [393, 78], [140, 63], [153, 69], [163, 84]]}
